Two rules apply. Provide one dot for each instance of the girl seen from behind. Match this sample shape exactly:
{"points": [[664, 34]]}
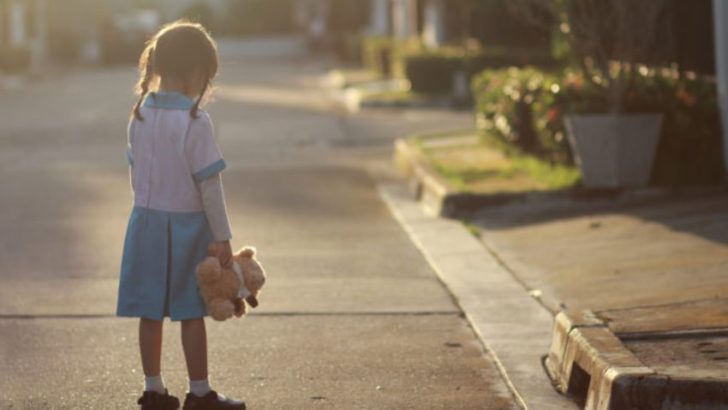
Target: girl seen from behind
{"points": [[179, 209]]}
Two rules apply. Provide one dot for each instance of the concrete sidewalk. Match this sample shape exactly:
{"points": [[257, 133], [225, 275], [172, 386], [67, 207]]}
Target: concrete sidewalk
{"points": [[642, 281], [629, 256], [628, 293]]}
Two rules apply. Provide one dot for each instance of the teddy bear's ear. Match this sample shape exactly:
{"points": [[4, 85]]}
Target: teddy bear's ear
{"points": [[247, 251]]}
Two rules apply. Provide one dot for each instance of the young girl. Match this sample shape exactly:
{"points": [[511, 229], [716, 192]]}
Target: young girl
{"points": [[179, 209]]}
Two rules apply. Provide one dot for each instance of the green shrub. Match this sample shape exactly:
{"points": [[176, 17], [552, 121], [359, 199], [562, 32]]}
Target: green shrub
{"points": [[377, 54], [433, 71], [510, 106], [386, 55], [525, 109], [14, 60]]}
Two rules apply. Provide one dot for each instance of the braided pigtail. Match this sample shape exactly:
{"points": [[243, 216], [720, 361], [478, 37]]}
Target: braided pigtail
{"points": [[193, 110], [146, 69]]}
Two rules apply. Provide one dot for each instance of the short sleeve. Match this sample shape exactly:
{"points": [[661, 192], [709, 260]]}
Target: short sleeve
{"points": [[129, 156], [129, 136], [203, 155]]}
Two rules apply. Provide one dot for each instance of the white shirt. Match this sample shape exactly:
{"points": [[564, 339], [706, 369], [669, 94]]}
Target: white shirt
{"points": [[176, 161]]}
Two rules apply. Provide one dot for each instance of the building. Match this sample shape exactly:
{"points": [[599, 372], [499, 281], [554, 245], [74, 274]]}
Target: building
{"points": [[23, 34]]}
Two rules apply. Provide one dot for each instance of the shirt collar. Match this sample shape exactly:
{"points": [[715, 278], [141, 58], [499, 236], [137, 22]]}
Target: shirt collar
{"points": [[168, 100]]}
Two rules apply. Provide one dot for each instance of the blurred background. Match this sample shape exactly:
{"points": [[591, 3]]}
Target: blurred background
{"points": [[486, 105], [111, 31], [439, 48]]}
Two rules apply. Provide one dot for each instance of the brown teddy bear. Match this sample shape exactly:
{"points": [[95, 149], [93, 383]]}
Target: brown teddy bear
{"points": [[226, 290]]}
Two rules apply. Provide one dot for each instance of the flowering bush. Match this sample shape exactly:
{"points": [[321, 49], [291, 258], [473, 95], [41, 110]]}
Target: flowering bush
{"points": [[526, 107], [516, 106]]}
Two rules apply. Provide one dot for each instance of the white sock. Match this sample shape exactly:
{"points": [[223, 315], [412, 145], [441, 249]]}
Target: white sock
{"points": [[200, 387], [155, 384]]}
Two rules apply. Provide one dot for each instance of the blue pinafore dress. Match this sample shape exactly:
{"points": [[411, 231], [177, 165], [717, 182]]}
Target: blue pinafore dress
{"points": [[168, 234]]}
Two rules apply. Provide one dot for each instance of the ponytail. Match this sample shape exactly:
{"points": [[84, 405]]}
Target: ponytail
{"points": [[146, 69], [196, 107]]}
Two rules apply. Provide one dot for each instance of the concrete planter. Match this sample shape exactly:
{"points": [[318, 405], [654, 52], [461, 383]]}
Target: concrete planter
{"points": [[614, 150]]}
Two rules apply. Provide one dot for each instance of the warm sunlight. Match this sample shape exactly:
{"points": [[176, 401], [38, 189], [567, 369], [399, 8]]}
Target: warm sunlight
{"points": [[363, 204]]}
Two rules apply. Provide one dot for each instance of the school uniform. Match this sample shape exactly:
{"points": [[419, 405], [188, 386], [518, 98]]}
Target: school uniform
{"points": [[174, 165]]}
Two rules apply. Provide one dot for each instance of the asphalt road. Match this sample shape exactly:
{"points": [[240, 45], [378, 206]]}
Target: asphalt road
{"points": [[352, 316]]}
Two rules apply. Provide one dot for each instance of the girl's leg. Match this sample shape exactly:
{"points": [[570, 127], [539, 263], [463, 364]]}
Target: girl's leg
{"points": [[194, 343], [150, 345]]}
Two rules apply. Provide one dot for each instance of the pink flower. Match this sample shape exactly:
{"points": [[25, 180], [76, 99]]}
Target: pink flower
{"points": [[686, 97], [553, 114]]}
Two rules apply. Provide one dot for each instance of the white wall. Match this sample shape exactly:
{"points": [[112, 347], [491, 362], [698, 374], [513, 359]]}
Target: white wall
{"points": [[433, 32], [379, 18], [404, 19]]}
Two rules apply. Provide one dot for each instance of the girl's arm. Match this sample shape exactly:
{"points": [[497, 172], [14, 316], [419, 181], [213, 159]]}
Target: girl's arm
{"points": [[205, 163], [213, 201]]}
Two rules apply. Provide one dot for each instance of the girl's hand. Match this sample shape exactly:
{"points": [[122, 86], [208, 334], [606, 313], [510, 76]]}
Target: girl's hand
{"points": [[225, 254]]}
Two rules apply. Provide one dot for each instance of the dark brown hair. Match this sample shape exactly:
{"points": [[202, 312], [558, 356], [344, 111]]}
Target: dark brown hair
{"points": [[179, 50]]}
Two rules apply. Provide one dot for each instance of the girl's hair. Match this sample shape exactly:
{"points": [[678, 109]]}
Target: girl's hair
{"points": [[179, 50]]}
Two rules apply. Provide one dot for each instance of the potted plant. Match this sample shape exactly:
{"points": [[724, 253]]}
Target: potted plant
{"points": [[609, 41]]}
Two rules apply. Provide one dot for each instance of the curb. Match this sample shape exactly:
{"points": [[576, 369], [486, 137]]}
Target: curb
{"points": [[589, 362], [513, 327], [587, 366], [440, 198]]}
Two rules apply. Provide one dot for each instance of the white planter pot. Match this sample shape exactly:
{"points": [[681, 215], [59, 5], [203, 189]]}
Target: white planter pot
{"points": [[614, 151]]}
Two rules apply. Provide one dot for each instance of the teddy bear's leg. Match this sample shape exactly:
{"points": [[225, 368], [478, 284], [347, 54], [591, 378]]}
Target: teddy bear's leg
{"points": [[240, 308], [252, 301], [221, 309]]}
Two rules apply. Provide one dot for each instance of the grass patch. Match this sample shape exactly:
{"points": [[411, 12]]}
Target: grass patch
{"points": [[391, 96], [474, 230], [474, 164]]}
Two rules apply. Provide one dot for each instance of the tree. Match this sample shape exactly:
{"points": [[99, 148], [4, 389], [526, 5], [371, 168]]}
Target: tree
{"points": [[608, 38]]}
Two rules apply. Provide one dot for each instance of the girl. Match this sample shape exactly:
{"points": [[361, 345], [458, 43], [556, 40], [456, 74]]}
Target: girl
{"points": [[179, 209]]}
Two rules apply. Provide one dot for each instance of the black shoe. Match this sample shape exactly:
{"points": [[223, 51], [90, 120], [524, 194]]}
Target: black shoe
{"points": [[212, 401], [152, 400]]}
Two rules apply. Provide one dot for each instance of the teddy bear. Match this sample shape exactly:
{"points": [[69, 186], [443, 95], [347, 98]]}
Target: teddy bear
{"points": [[225, 290]]}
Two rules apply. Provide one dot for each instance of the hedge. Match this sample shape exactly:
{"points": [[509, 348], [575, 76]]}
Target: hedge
{"points": [[433, 72], [386, 55]]}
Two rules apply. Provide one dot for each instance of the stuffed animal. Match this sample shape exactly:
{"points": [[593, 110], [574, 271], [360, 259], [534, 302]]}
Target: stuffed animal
{"points": [[224, 290]]}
